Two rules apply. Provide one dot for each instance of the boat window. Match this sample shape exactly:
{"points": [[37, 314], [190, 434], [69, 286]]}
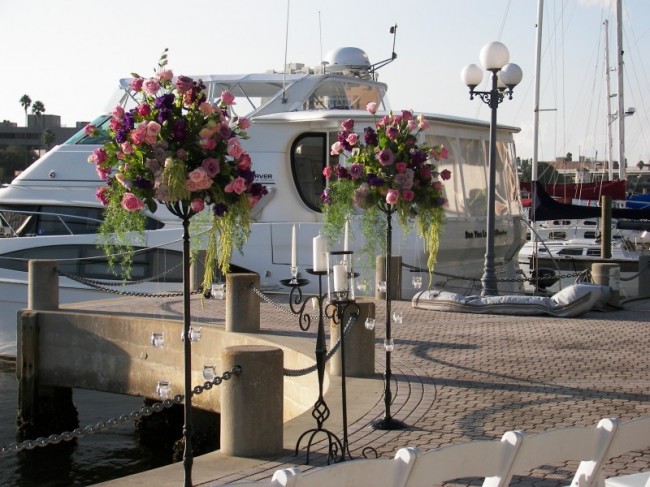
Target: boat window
{"points": [[470, 179], [89, 261], [335, 93], [589, 234], [80, 138], [28, 221], [570, 252], [593, 252], [557, 236], [308, 159]]}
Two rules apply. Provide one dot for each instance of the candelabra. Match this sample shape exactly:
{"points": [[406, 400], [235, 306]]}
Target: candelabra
{"points": [[333, 305]]}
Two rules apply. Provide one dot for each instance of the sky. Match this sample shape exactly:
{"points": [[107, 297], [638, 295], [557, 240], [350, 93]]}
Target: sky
{"points": [[70, 54]]}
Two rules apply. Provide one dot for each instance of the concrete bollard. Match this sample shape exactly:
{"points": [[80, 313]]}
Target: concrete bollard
{"points": [[242, 304], [395, 276], [608, 275], [252, 403], [644, 276], [42, 285], [359, 344]]}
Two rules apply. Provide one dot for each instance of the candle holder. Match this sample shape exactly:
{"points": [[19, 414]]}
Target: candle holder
{"points": [[294, 274], [340, 276]]}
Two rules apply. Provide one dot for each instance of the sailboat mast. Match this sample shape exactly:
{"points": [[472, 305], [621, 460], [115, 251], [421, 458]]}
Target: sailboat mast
{"points": [[610, 158], [621, 109], [538, 56]]}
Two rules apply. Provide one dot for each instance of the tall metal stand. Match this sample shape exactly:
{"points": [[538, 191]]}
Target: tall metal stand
{"points": [[320, 412], [388, 422], [184, 212], [336, 312]]}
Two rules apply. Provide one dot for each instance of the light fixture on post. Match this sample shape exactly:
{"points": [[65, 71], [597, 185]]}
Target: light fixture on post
{"points": [[505, 76]]}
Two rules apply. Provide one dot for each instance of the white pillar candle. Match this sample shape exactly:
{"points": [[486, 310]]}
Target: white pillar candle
{"points": [[346, 236], [294, 247], [320, 254], [340, 277]]}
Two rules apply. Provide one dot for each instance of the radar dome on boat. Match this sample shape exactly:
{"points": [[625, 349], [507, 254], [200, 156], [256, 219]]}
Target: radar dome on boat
{"points": [[347, 60]]}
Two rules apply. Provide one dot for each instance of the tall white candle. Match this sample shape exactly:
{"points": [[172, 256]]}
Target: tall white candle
{"points": [[346, 236], [340, 277], [320, 254], [294, 247]]}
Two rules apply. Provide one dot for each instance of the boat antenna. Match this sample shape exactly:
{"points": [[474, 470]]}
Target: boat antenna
{"points": [[381, 64], [320, 37], [286, 47]]}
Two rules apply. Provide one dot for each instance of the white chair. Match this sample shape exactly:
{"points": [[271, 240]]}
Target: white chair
{"points": [[631, 436], [587, 444], [377, 472], [464, 460]]}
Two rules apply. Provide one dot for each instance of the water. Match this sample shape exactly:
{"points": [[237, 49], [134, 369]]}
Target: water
{"points": [[94, 458]]}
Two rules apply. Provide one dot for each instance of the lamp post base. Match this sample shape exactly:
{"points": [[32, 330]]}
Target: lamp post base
{"points": [[388, 424]]}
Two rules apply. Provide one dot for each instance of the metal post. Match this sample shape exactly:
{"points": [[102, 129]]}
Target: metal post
{"points": [[187, 352], [489, 279]]}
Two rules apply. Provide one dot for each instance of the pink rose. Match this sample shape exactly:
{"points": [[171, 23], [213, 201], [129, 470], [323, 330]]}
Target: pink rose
{"points": [[131, 202], [237, 186], [90, 129], [183, 83], [244, 162], [347, 125], [327, 172], [400, 167], [385, 157], [127, 147], [151, 86], [208, 144], [144, 109], [136, 84], [206, 109], [412, 125], [407, 115], [408, 195], [211, 166], [197, 205], [118, 112], [425, 173], [392, 196], [336, 149], [243, 123], [444, 152], [445, 174], [352, 139], [102, 195], [372, 107], [98, 156], [234, 149], [437, 186], [227, 98], [165, 75]]}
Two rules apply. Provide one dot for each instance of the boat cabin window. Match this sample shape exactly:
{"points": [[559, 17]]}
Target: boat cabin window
{"points": [[90, 262], [29, 221], [80, 138], [557, 236], [593, 252], [309, 155], [570, 252], [589, 234], [350, 95]]}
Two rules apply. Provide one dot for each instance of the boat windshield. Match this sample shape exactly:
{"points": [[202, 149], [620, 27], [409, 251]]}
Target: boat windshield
{"points": [[352, 94], [81, 138]]}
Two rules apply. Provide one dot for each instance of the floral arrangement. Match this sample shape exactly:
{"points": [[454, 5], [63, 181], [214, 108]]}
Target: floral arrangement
{"points": [[386, 171], [176, 148]]}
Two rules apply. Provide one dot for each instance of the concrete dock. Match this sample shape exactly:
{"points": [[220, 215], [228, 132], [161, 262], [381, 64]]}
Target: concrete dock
{"points": [[456, 377]]}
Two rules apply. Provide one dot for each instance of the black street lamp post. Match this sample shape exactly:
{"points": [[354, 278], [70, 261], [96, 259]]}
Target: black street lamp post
{"points": [[504, 77]]}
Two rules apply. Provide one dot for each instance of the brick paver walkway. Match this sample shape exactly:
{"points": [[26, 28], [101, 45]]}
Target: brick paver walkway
{"points": [[460, 377]]}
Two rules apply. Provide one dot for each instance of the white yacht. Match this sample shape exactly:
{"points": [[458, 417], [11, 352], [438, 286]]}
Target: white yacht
{"points": [[50, 210]]}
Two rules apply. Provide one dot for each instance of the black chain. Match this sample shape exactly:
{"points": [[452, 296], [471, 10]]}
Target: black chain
{"points": [[104, 425]]}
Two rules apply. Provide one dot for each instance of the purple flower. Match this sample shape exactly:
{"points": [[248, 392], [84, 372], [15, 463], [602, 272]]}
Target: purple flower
{"points": [[385, 157], [143, 183], [370, 136], [417, 156], [121, 136], [220, 209], [179, 131], [165, 101], [356, 170], [341, 172], [128, 122], [343, 140], [375, 181], [326, 197], [258, 189]]}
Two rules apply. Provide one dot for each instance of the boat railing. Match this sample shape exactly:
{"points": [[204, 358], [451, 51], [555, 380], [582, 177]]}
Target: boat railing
{"points": [[20, 227]]}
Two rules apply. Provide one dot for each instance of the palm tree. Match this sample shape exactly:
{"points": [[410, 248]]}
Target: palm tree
{"points": [[26, 102], [640, 165], [38, 109]]}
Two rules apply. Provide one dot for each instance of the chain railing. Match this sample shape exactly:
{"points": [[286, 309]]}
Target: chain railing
{"points": [[125, 418]]}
